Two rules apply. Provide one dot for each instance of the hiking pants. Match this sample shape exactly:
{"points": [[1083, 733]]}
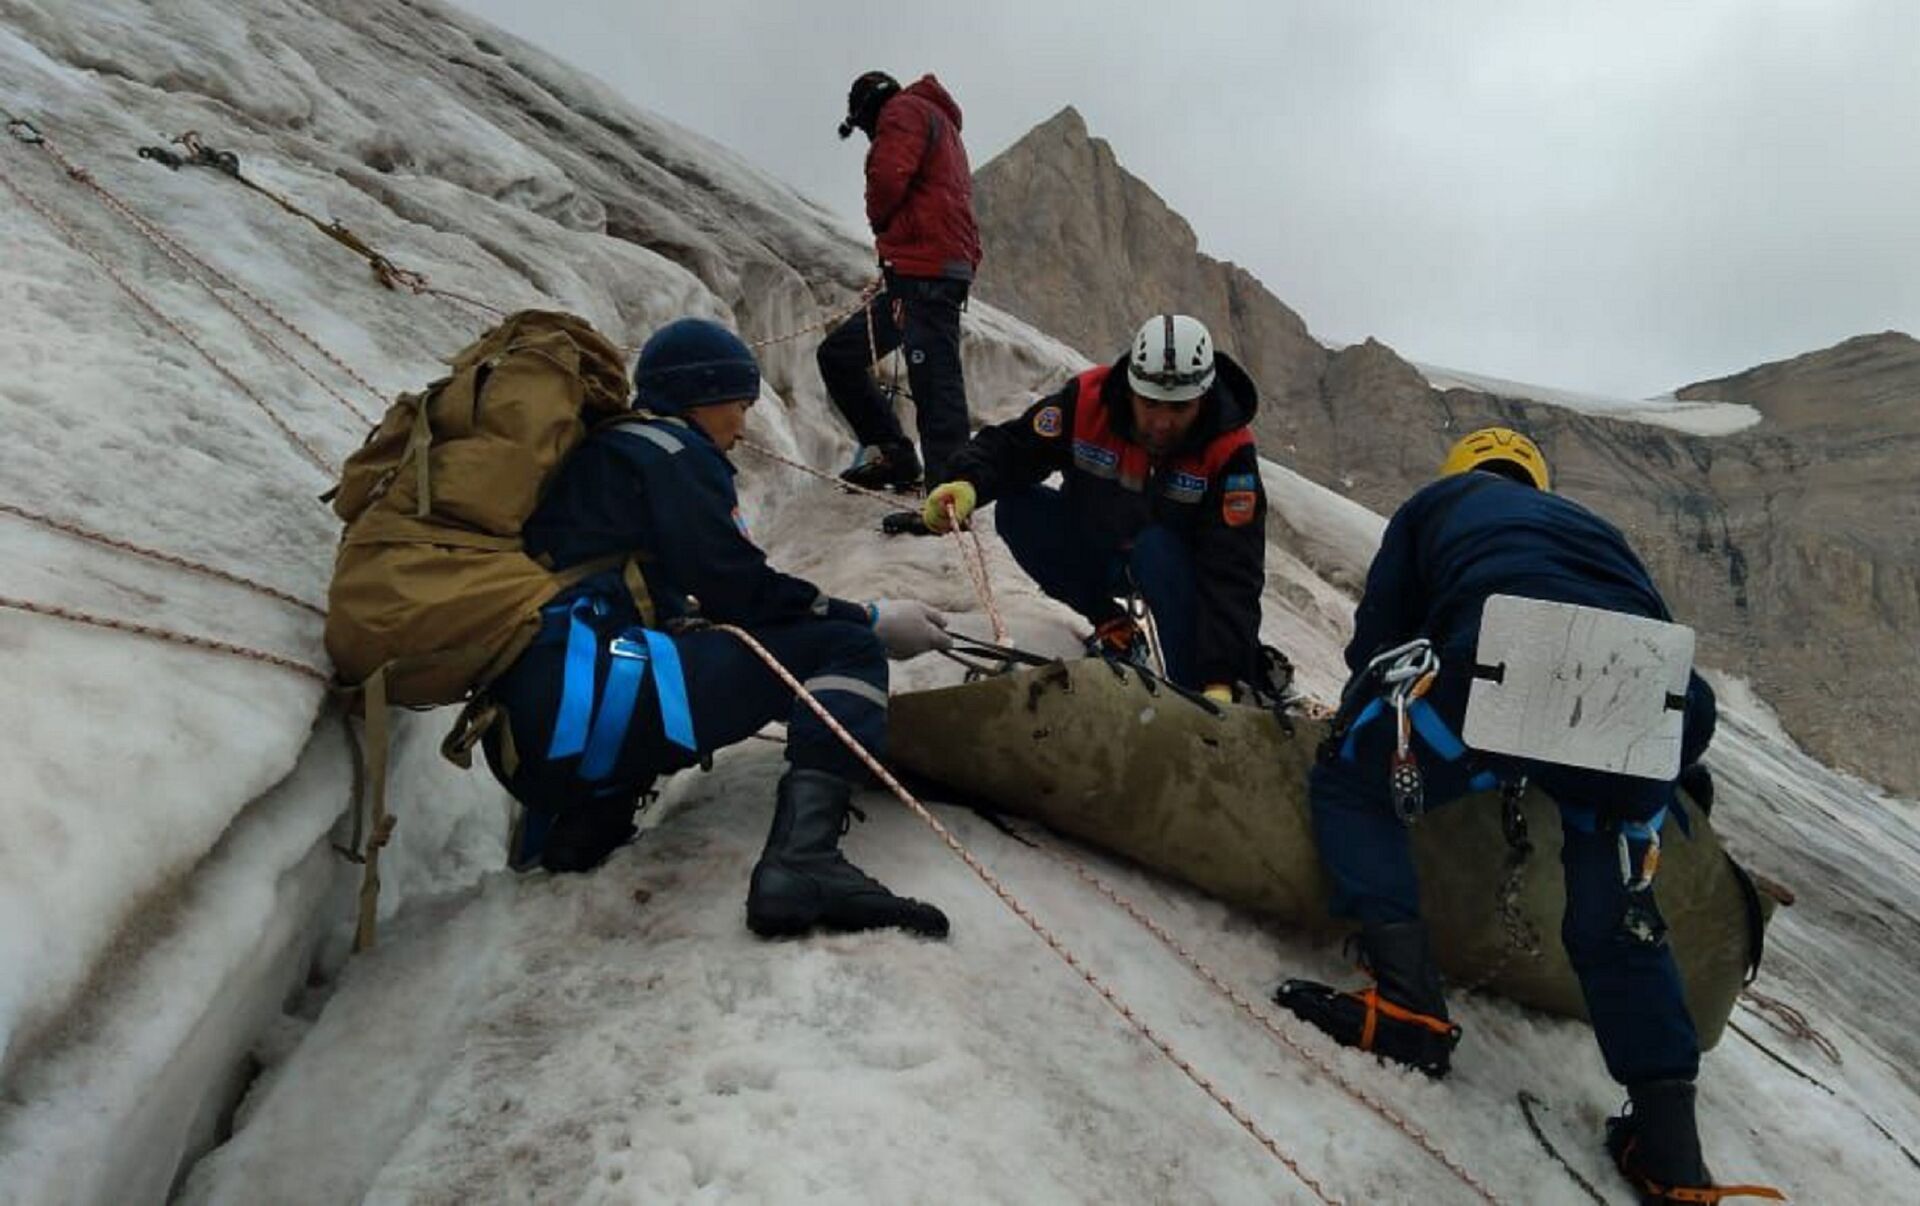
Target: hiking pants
{"points": [[1633, 990], [730, 694], [923, 314], [1069, 566]]}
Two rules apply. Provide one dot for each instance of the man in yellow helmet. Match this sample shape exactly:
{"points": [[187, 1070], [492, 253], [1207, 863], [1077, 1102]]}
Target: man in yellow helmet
{"points": [[1490, 526]]}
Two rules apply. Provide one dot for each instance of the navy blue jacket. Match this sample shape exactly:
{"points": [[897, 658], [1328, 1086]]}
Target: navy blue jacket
{"points": [[1473, 535], [1468, 537], [660, 489]]}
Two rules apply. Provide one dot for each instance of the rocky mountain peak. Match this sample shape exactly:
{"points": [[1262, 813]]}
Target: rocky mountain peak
{"points": [[1870, 379]]}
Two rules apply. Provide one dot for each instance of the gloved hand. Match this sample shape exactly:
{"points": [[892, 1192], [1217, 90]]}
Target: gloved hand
{"points": [[1219, 692], [908, 627], [963, 497]]}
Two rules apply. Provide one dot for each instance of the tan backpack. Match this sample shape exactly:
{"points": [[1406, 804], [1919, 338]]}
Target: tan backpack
{"points": [[433, 594]]}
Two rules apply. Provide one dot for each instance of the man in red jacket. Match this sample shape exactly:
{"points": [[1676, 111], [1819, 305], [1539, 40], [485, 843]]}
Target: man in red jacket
{"points": [[920, 204]]}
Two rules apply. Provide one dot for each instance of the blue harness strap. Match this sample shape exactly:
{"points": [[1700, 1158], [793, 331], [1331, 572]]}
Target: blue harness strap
{"points": [[676, 715], [576, 688], [1432, 730], [626, 669], [599, 737]]}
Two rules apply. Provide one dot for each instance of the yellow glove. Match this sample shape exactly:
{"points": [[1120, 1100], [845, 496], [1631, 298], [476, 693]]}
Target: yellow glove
{"points": [[1219, 693], [963, 497]]}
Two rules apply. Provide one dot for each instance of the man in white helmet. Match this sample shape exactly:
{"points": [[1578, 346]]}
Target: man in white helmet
{"points": [[1160, 495]]}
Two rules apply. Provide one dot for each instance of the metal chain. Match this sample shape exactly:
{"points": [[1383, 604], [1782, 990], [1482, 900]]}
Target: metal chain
{"points": [[166, 634], [72, 236], [194, 265], [1240, 1001], [88, 534], [1019, 910]]}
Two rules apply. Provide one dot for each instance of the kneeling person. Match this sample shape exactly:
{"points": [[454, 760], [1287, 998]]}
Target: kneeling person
{"points": [[606, 699], [1161, 495], [1489, 526]]}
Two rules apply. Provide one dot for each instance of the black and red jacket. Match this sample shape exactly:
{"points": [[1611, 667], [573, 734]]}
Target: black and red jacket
{"points": [[919, 187], [1208, 490]]}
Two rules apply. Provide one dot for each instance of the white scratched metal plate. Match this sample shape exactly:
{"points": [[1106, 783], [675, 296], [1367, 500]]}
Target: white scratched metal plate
{"points": [[1580, 687]]}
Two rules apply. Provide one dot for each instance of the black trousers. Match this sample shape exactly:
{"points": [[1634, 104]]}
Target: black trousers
{"points": [[921, 314]]}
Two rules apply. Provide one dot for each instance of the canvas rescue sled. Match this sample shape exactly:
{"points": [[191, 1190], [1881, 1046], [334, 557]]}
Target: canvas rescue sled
{"points": [[1220, 802]]}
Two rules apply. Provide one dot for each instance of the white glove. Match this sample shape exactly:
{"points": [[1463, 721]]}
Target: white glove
{"points": [[908, 627]]}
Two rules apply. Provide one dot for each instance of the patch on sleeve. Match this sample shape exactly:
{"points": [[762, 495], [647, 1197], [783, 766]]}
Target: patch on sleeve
{"points": [[1047, 421], [740, 522], [1241, 481], [1238, 507]]}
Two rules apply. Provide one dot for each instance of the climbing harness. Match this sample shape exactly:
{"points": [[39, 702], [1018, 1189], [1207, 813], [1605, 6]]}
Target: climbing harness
{"points": [[597, 735], [1401, 678]]}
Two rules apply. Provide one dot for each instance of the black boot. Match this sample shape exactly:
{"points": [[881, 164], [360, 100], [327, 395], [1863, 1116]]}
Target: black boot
{"points": [[1656, 1143], [802, 881], [1402, 1016], [890, 466], [582, 837]]}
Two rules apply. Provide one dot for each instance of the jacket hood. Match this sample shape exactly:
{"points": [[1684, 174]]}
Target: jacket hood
{"points": [[930, 90], [1230, 402]]}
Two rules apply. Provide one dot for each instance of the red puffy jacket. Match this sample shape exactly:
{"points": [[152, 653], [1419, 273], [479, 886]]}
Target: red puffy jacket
{"points": [[919, 186]]}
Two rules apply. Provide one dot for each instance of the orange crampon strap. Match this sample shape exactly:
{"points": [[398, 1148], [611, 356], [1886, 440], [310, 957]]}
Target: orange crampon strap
{"points": [[1377, 1005], [1690, 1194], [1712, 1194]]}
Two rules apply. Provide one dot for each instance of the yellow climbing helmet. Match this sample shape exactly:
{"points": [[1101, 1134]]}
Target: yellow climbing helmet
{"points": [[1500, 449]]}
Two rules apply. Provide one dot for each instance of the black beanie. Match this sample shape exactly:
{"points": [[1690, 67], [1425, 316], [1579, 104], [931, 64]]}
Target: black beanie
{"points": [[872, 90], [693, 362]]}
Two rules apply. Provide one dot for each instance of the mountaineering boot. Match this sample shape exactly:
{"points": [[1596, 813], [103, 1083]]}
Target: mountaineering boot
{"points": [[1655, 1142], [803, 881], [580, 838], [891, 466], [905, 523], [1402, 1016], [1120, 640]]}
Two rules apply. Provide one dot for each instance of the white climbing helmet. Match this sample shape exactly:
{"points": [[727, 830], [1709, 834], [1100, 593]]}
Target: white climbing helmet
{"points": [[1172, 359]]}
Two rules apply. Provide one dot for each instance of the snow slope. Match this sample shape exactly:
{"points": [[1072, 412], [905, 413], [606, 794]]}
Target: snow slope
{"points": [[172, 919]]}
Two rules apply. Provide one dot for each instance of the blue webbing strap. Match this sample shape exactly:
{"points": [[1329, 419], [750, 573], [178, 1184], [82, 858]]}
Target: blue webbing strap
{"points": [[577, 730], [1367, 716], [676, 716], [576, 688], [1433, 730], [626, 669]]}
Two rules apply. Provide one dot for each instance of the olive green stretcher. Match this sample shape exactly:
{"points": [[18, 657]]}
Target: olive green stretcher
{"points": [[1219, 801]]}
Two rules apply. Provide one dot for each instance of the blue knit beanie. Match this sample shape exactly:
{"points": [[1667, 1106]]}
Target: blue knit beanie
{"points": [[693, 362]]}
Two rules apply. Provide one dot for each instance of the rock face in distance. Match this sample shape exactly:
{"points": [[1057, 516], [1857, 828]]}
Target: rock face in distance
{"points": [[1075, 237], [1793, 546]]}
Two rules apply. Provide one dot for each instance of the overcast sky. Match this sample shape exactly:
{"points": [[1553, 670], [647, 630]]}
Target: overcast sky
{"points": [[1619, 197]]}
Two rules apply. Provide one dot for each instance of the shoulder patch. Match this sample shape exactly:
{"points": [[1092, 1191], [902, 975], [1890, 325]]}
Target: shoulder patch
{"points": [[1047, 422], [740, 522], [1238, 507]]}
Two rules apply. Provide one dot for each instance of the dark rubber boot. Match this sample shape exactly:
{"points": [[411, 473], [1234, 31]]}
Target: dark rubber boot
{"points": [[1402, 1016], [582, 837], [803, 881], [1656, 1142], [894, 466]]}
